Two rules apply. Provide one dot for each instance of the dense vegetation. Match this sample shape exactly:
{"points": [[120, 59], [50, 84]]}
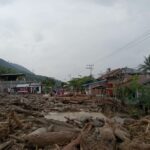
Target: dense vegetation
{"points": [[136, 93], [146, 65], [77, 83]]}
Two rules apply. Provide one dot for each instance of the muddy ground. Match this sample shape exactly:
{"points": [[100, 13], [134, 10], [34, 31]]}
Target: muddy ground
{"points": [[41, 122]]}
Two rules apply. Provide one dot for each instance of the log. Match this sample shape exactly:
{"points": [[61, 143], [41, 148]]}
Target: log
{"points": [[73, 122], [57, 147], [147, 128], [122, 135], [6, 145], [41, 121], [133, 145], [41, 130], [38, 131], [74, 144], [97, 138], [62, 126], [13, 116], [27, 112], [24, 103], [18, 139], [48, 138], [4, 131], [57, 125]]}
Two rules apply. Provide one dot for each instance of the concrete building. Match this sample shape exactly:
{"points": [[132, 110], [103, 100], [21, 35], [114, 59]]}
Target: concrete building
{"points": [[16, 83]]}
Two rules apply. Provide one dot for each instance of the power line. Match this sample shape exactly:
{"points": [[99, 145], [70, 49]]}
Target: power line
{"points": [[128, 45], [134, 42]]}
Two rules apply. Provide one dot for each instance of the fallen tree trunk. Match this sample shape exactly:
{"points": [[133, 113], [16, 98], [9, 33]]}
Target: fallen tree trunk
{"points": [[62, 126], [74, 144], [27, 112], [122, 135], [133, 145], [13, 117], [57, 125], [6, 145], [43, 139], [57, 122]]}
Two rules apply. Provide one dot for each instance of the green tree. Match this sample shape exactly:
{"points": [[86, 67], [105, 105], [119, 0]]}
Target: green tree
{"points": [[146, 66], [77, 83], [130, 92], [145, 98], [49, 82]]}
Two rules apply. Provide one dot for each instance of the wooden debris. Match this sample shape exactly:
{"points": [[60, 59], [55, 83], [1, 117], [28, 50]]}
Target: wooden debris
{"points": [[23, 126], [43, 139], [122, 135], [27, 112], [13, 117], [147, 128], [6, 145]]}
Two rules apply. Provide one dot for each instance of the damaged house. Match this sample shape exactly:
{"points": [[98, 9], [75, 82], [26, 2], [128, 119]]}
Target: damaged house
{"points": [[16, 83], [108, 83]]}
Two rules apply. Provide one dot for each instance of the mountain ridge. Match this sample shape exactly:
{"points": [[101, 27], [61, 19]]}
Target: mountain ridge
{"points": [[8, 67], [21, 68], [16, 67]]}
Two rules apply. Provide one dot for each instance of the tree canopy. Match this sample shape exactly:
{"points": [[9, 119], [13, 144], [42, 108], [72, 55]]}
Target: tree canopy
{"points": [[77, 83], [146, 65]]}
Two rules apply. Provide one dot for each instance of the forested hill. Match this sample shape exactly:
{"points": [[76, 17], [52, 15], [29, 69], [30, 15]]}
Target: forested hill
{"points": [[7, 67]]}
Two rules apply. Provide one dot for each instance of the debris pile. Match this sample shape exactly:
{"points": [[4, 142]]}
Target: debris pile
{"points": [[23, 125]]}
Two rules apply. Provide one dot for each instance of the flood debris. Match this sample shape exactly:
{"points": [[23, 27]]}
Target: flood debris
{"points": [[23, 125]]}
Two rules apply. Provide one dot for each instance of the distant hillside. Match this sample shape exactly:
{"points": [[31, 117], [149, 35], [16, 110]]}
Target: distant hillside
{"points": [[4, 63], [21, 68], [15, 67], [6, 67]]}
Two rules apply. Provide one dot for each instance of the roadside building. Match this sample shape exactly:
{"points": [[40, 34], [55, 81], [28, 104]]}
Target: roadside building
{"points": [[29, 87], [123, 77], [95, 88], [16, 83], [9, 81], [35, 88], [108, 83]]}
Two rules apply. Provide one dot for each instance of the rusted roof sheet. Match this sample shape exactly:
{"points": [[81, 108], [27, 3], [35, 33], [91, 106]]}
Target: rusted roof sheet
{"points": [[120, 71], [111, 73]]}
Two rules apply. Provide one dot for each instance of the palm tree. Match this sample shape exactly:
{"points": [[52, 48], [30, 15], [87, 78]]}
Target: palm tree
{"points": [[146, 66]]}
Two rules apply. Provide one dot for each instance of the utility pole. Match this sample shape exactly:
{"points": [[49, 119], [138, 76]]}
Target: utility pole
{"points": [[90, 67]]}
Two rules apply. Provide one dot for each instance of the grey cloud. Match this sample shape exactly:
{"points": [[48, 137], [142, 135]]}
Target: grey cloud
{"points": [[5, 2], [99, 2], [58, 38], [104, 2], [38, 37]]}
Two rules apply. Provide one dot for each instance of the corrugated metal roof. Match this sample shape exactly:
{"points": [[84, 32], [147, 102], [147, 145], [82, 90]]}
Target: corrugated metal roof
{"points": [[120, 71], [22, 85], [94, 83]]}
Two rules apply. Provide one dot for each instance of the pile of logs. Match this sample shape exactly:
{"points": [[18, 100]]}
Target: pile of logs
{"points": [[24, 127]]}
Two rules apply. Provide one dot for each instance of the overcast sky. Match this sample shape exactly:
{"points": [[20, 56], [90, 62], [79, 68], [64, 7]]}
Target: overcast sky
{"points": [[58, 38]]}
